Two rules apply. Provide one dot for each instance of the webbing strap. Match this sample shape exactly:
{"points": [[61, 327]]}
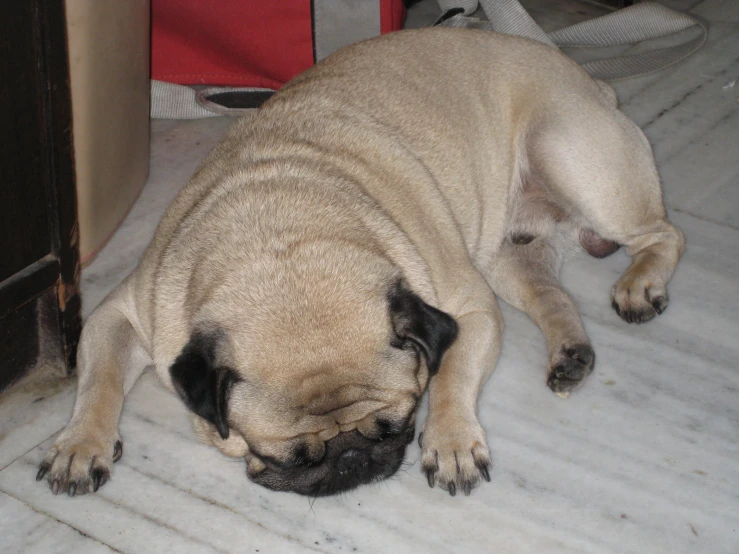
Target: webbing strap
{"points": [[631, 25]]}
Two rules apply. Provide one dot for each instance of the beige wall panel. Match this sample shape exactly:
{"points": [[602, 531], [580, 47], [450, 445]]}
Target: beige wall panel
{"points": [[109, 64]]}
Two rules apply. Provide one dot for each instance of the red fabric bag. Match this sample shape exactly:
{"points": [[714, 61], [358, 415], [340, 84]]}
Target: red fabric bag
{"points": [[258, 43]]}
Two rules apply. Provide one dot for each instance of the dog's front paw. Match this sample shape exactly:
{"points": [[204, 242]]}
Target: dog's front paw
{"points": [[455, 454], [569, 368], [637, 299], [79, 464]]}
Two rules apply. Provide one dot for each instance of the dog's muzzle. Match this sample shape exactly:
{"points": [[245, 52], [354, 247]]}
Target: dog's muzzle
{"points": [[351, 459]]}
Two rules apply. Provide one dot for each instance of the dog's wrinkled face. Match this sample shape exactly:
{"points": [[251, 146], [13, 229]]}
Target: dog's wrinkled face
{"points": [[317, 391]]}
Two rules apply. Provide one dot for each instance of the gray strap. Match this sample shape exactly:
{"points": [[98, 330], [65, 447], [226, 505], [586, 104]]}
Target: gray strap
{"points": [[510, 17], [469, 6], [339, 23], [635, 24], [170, 101]]}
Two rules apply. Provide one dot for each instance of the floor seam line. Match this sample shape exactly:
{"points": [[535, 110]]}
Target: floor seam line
{"points": [[50, 516], [6, 466]]}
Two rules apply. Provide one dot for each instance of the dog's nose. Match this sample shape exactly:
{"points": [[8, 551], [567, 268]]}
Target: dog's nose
{"points": [[352, 459]]}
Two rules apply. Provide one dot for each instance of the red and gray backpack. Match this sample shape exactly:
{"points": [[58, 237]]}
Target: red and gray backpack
{"points": [[252, 47]]}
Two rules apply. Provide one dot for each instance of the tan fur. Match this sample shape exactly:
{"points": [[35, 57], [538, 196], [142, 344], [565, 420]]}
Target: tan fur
{"points": [[419, 154]]}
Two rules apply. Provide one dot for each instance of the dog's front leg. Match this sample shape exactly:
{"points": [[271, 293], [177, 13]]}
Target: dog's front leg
{"points": [[455, 454], [110, 358]]}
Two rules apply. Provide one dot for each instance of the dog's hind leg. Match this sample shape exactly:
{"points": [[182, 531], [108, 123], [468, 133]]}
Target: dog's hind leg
{"points": [[526, 276], [599, 167], [110, 358]]}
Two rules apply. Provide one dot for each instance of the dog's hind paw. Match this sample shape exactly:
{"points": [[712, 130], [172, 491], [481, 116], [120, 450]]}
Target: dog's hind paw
{"points": [[78, 465], [637, 300], [455, 455]]}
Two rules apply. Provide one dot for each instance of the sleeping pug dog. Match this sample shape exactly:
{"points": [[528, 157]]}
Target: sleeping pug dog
{"points": [[341, 251]]}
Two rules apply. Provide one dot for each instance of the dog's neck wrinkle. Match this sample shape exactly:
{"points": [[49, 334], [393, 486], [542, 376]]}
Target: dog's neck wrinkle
{"points": [[347, 396]]}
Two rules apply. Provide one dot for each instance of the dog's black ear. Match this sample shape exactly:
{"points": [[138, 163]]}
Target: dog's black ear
{"points": [[203, 386], [427, 328]]}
